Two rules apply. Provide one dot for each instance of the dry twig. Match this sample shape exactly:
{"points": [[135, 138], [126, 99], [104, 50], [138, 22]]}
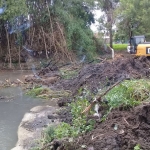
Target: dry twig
{"points": [[98, 99]]}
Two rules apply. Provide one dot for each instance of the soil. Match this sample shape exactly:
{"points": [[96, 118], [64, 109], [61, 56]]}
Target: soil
{"points": [[95, 76], [123, 129], [103, 74]]}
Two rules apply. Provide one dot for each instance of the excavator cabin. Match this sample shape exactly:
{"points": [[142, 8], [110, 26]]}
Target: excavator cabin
{"points": [[138, 46]]}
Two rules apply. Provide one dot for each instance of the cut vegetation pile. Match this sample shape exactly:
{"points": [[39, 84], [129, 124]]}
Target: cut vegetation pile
{"points": [[96, 76]]}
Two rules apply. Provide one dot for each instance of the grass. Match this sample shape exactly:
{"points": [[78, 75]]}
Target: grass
{"points": [[46, 93], [36, 91], [120, 47]]}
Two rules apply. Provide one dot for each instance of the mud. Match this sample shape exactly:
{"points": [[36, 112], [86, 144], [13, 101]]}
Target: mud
{"points": [[96, 75], [123, 129]]}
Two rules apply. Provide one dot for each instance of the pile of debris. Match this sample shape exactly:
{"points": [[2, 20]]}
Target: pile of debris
{"points": [[106, 73], [123, 130]]}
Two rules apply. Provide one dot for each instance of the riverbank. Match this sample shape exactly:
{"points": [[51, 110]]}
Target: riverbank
{"points": [[73, 82], [32, 125], [93, 78]]}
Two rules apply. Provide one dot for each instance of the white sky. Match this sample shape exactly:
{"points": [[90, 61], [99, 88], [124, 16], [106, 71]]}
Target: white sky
{"points": [[97, 14]]}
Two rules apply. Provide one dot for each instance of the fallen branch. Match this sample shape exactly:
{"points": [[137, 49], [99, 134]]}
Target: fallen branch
{"points": [[20, 81], [126, 121], [98, 99]]}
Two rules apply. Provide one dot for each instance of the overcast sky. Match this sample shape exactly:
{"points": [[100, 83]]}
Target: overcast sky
{"points": [[97, 14]]}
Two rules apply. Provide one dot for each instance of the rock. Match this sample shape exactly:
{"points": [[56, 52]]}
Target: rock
{"points": [[32, 125], [50, 80]]}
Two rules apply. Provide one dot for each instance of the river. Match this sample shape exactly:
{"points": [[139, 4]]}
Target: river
{"points": [[13, 108]]}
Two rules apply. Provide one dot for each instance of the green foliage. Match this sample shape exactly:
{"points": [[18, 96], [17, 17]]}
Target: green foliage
{"points": [[132, 15], [36, 91], [120, 46], [49, 134], [64, 130], [73, 16], [79, 124], [78, 106], [14, 8], [137, 147], [129, 93], [79, 121], [76, 22], [45, 93], [107, 20], [147, 35]]}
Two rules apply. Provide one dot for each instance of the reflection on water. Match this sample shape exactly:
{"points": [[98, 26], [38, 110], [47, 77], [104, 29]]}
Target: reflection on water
{"points": [[12, 110]]}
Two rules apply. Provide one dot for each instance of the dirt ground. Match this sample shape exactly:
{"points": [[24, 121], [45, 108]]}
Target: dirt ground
{"points": [[99, 75], [123, 129], [106, 73]]}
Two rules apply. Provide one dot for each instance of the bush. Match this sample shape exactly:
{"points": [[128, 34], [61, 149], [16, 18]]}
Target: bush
{"points": [[129, 93]]}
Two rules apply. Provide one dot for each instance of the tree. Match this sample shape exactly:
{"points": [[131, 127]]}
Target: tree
{"points": [[108, 19], [133, 16], [13, 8], [57, 26]]}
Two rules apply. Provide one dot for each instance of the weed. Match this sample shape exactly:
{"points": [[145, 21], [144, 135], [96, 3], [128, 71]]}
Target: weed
{"points": [[37, 91], [129, 93], [137, 147], [45, 93], [79, 124], [48, 134]]}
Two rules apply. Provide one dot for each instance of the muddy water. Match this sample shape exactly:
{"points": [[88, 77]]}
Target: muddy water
{"points": [[13, 108]]}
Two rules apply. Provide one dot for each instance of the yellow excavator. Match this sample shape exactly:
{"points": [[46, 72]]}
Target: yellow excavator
{"points": [[138, 46]]}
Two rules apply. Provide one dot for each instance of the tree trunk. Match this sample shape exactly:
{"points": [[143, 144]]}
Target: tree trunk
{"points": [[9, 52], [45, 43], [19, 58], [111, 38]]}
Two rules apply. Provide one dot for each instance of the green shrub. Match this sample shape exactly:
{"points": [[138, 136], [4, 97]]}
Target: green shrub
{"points": [[79, 124], [137, 147], [36, 91], [129, 93]]}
